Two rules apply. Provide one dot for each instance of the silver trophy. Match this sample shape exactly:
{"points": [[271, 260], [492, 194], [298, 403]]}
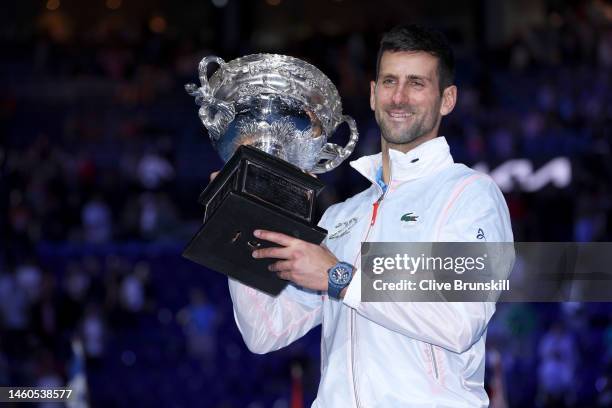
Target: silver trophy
{"points": [[269, 117], [281, 105]]}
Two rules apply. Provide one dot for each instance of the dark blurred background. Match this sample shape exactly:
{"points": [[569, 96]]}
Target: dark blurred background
{"points": [[103, 158]]}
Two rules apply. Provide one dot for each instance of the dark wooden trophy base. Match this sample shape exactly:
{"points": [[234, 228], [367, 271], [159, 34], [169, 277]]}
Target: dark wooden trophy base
{"points": [[254, 190]]}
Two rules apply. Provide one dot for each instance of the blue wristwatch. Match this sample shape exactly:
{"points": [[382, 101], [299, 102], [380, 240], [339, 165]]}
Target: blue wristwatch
{"points": [[340, 276]]}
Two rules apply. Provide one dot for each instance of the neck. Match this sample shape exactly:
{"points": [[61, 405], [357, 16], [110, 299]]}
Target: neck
{"points": [[404, 148]]}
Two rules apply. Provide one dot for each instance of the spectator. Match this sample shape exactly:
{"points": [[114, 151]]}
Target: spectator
{"points": [[199, 320], [96, 220], [558, 353]]}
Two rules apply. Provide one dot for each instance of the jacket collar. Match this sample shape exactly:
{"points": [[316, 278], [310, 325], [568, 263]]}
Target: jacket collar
{"points": [[425, 159]]}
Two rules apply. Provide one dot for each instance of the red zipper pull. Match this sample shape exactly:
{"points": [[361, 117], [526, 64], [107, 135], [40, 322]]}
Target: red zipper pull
{"points": [[374, 212]]}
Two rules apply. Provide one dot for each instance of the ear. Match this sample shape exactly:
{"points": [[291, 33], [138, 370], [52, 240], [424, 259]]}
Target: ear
{"points": [[449, 99], [372, 96]]}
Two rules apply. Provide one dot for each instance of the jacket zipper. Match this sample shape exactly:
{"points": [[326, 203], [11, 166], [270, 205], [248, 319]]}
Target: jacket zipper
{"points": [[375, 211], [434, 363], [375, 207], [353, 341]]}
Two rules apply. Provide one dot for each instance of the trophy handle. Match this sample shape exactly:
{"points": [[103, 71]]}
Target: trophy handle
{"points": [[334, 154], [214, 113]]}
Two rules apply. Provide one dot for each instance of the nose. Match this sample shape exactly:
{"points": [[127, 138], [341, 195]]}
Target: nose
{"points": [[400, 95]]}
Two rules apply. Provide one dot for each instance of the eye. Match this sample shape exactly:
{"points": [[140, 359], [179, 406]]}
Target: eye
{"points": [[388, 81], [417, 84]]}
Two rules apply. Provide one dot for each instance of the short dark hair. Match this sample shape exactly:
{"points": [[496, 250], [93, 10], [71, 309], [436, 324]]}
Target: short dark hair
{"points": [[413, 37]]}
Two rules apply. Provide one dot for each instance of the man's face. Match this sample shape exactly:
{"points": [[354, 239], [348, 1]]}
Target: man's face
{"points": [[406, 96]]}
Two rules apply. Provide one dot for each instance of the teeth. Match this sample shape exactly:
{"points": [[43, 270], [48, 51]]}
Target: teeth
{"points": [[399, 115]]}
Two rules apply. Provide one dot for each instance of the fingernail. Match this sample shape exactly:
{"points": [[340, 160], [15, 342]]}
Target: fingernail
{"points": [[254, 254], [257, 233]]}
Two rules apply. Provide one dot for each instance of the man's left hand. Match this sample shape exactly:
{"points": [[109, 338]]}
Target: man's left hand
{"points": [[300, 262]]}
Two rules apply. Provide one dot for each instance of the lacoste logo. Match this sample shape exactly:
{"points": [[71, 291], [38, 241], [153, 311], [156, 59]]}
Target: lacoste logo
{"points": [[343, 228], [409, 217]]}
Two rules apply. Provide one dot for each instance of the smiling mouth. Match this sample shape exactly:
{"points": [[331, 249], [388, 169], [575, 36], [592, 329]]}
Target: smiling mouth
{"points": [[399, 115]]}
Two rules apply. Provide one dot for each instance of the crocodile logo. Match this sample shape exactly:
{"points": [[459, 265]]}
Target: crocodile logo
{"points": [[409, 217]]}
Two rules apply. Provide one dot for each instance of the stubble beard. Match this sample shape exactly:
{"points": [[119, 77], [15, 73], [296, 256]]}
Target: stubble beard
{"points": [[421, 126]]}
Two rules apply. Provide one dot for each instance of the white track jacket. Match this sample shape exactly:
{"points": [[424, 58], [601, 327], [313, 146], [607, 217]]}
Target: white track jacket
{"points": [[403, 354]]}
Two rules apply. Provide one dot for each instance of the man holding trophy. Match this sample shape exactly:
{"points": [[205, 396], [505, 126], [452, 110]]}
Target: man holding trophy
{"points": [[374, 354]]}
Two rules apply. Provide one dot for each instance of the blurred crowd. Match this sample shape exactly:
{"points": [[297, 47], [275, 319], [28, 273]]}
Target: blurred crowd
{"points": [[103, 158], [155, 330]]}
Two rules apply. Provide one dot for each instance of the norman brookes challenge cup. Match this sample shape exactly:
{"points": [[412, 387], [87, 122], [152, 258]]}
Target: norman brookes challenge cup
{"points": [[269, 117]]}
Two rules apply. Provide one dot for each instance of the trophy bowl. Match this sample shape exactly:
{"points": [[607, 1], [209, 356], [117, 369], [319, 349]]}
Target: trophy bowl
{"points": [[279, 104]]}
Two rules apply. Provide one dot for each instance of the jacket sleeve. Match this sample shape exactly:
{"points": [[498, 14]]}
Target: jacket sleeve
{"points": [[268, 323], [477, 213]]}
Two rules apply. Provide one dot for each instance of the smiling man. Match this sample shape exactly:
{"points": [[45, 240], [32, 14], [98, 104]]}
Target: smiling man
{"points": [[388, 354]]}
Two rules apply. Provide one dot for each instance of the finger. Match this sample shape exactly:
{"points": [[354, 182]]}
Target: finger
{"points": [[213, 175], [276, 237], [281, 266], [285, 275], [273, 252]]}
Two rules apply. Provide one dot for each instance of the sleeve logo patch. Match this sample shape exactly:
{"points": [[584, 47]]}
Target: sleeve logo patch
{"points": [[480, 234]]}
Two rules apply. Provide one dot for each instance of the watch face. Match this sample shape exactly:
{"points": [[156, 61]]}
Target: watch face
{"points": [[340, 276]]}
